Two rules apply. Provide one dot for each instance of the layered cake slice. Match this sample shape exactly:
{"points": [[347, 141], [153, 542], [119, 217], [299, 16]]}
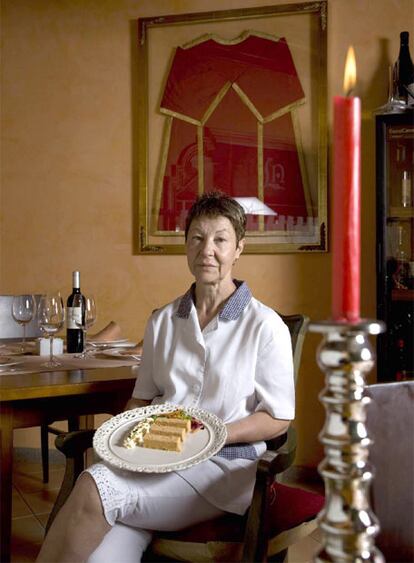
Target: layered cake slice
{"points": [[162, 442], [166, 430], [162, 432], [174, 422]]}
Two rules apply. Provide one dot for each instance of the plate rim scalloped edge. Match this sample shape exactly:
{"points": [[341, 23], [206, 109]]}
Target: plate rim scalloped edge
{"points": [[106, 429]]}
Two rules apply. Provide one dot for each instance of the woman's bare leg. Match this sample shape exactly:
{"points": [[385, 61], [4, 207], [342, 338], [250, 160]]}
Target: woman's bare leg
{"points": [[78, 528]]}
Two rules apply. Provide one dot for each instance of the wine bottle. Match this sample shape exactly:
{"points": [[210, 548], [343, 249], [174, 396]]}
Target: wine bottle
{"points": [[74, 332], [405, 71]]}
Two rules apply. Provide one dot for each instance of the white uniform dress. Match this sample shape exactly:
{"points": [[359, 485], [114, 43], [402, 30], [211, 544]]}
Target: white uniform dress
{"points": [[240, 363]]}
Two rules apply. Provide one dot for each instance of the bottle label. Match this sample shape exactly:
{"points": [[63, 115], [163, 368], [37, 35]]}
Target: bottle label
{"points": [[74, 317]]}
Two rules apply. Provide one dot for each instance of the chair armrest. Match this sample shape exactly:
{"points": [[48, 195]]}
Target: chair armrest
{"points": [[273, 462], [73, 445], [279, 455]]}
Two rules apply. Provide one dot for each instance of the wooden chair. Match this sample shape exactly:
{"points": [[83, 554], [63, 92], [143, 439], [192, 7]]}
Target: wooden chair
{"points": [[279, 515], [11, 332], [45, 430]]}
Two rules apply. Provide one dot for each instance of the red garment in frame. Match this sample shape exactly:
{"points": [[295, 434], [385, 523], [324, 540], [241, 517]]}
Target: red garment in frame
{"points": [[227, 92]]}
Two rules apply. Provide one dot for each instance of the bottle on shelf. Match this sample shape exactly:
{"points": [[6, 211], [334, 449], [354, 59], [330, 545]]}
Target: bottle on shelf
{"points": [[400, 342], [404, 71], [400, 361], [406, 189], [400, 275], [74, 332]]}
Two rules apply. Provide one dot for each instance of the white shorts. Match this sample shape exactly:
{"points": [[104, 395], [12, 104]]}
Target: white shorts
{"points": [[152, 501]]}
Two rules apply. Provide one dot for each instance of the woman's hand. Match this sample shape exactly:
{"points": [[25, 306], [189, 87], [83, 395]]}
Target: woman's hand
{"points": [[256, 427]]}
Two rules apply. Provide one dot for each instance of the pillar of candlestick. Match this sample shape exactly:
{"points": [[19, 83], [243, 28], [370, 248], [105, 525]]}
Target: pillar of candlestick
{"points": [[348, 524]]}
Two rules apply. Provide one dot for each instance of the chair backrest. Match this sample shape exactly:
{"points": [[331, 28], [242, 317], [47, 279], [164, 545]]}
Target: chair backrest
{"points": [[390, 424], [297, 325], [9, 329]]}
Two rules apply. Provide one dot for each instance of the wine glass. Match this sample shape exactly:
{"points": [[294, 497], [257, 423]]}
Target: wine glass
{"points": [[23, 310], [87, 319], [51, 318]]}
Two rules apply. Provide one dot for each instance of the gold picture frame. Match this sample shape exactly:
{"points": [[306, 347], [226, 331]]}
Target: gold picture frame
{"points": [[286, 186]]}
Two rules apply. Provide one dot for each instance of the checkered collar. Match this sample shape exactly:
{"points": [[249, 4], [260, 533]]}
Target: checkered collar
{"points": [[231, 311]]}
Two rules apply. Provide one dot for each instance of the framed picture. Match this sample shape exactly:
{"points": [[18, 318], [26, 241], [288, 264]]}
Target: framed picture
{"points": [[234, 101]]}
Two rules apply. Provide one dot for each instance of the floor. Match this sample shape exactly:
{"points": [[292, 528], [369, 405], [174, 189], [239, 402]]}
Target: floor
{"points": [[33, 501]]}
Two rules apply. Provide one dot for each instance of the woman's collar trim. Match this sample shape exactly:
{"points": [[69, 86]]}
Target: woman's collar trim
{"points": [[233, 308]]}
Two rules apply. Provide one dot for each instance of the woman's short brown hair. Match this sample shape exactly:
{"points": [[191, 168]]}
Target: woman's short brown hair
{"points": [[218, 204]]}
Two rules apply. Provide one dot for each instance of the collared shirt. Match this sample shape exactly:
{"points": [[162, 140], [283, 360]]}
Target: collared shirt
{"points": [[240, 363], [232, 309]]}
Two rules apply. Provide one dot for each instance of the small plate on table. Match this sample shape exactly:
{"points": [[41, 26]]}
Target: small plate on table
{"points": [[6, 362], [9, 350], [120, 353], [198, 446], [105, 344], [17, 349]]}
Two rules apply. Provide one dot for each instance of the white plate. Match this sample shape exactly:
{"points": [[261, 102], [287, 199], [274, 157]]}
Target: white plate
{"points": [[124, 354], [198, 447], [6, 362], [103, 344]]}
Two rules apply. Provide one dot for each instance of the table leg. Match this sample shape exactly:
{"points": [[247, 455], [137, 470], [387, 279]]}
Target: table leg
{"points": [[88, 422], [6, 466]]}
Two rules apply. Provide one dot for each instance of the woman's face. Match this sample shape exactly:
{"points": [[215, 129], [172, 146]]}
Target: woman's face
{"points": [[212, 249]]}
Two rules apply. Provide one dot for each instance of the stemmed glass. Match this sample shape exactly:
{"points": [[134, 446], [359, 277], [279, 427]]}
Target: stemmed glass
{"points": [[23, 310], [51, 318], [86, 320]]}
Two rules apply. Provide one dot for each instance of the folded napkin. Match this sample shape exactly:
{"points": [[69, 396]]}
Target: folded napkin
{"points": [[112, 331]]}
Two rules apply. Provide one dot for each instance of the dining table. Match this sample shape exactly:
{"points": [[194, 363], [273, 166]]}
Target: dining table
{"points": [[32, 394]]}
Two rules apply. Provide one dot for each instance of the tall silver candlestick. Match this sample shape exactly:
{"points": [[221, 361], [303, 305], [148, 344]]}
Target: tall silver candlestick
{"points": [[347, 522]]}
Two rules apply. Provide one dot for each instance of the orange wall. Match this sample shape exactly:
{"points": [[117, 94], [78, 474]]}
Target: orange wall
{"points": [[67, 177]]}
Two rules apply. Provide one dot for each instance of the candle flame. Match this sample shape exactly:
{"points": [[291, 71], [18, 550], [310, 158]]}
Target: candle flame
{"points": [[350, 72]]}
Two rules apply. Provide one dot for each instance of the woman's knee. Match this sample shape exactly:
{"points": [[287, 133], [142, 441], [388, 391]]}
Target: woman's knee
{"points": [[84, 499]]}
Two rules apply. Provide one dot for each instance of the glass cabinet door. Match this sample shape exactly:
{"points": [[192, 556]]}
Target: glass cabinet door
{"points": [[395, 244]]}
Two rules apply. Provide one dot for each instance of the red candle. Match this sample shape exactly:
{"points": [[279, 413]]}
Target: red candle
{"points": [[346, 200]]}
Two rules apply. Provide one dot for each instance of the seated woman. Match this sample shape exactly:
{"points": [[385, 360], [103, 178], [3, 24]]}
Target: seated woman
{"points": [[215, 347]]}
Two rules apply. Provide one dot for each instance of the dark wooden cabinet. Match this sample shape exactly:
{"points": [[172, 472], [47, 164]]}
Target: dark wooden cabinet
{"points": [[395, 244]]}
